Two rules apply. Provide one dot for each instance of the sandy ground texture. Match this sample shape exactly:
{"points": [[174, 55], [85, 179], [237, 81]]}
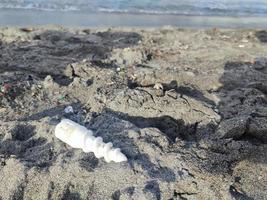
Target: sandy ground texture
{"points": [[187, 107]]}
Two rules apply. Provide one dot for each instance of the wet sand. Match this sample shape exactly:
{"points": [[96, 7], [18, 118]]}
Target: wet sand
{"points": [[186, 106]]}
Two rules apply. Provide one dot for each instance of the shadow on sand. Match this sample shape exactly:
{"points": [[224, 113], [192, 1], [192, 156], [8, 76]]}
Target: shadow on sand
{"points": [[243, 95]]}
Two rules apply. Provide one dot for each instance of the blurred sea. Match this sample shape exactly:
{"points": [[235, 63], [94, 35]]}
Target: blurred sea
{"points": [[164, 12], [175, 7]]}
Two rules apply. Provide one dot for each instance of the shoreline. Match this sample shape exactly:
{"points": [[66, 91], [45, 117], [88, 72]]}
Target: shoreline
{"points": [[19, 17]]}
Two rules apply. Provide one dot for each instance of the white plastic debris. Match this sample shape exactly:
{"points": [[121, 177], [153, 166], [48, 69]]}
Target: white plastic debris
{"points": [[158, 86], [68, 109], [118, 69], [78, 136], [244, 40]]}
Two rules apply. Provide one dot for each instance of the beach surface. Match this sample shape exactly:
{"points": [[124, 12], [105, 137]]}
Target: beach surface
{"points": [[188, 107]]}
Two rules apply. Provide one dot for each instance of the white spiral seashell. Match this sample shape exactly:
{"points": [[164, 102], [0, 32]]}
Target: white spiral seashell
{"points": [[78, 136]]}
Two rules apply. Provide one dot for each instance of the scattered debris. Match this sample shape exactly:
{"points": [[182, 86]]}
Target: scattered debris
{"points": [[27, 29], [5, 88], [245, 40], [68, 109], [118, 69], [158, 86]]}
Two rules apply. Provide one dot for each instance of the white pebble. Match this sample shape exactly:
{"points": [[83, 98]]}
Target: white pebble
{"points": [[68, 109], [118, 69]]}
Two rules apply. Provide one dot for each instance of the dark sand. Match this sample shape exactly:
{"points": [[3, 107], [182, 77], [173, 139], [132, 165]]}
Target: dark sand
{"points": [[187, 106]]}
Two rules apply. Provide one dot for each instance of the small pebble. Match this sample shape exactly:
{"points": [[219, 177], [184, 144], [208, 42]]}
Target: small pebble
{"points": [[261, 61], [68, 109], [118, 69], [2, 110], [158, 86], [159, 93], [244, 41], [5, 88], [87, 82], [190, 74], [185, 47], [133, 134], [27, 29]]}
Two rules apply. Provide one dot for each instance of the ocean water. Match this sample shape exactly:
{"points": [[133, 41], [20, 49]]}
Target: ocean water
{"points": [[234, 8], [144, 13]]}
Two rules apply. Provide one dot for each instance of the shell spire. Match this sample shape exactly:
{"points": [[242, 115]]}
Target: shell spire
{"points": [[78, 136]]}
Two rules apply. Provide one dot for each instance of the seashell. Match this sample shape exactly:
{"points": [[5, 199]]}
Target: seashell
{"points": [[78, 136]]}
